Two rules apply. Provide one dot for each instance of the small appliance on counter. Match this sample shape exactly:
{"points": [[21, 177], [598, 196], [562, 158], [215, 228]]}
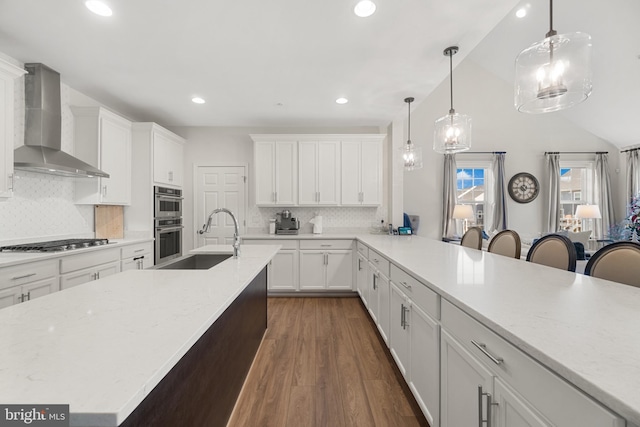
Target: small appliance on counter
{"points": [[317, 224], [286, 224]]}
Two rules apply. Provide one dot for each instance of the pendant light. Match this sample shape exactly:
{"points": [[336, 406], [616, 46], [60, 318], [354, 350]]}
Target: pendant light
{"points": [[411, 155], [555, 73], [452, 132]]}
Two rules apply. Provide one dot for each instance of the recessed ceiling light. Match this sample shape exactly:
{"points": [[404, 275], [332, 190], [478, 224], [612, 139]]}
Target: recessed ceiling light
{"points": [[98, 7], [364, 8], [342, 101], [522, 12], [198, 100]]}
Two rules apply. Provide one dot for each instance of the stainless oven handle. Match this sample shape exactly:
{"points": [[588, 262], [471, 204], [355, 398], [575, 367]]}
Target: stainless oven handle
{"points": [[169, 198], [168, 229]]}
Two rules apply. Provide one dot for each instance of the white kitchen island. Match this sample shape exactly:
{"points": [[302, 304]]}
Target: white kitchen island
{"points": [[102, 347]]}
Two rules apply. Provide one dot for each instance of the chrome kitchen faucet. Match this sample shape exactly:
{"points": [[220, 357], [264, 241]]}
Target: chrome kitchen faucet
{"points": [[236, 233]]}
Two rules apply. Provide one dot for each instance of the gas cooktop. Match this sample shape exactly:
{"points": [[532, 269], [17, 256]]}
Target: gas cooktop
{"points": [[55, 245]]}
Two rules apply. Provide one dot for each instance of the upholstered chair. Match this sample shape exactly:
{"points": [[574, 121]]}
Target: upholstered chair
{"points": [[507, 243], [618, 262], [472, 238], [554, 250]]}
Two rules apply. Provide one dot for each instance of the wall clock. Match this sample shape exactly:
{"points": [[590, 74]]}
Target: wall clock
{"points": [[523, 187]]}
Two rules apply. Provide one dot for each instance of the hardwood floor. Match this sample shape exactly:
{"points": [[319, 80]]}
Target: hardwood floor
{"points": [[322, 364]]}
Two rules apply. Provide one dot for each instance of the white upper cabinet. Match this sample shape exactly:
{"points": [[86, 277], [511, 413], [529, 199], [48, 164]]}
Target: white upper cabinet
{"points": [[103, 139], [362, 172], [8, 74], [317, 170], [275, 172], [318, 163], [168, 158]]}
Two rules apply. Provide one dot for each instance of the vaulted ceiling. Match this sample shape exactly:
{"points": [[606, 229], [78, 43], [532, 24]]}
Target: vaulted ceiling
{"points": [[284, 62]]}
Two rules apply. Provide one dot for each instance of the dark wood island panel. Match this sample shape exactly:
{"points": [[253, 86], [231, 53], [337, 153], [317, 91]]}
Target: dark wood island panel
{"points": [[202, 388]]}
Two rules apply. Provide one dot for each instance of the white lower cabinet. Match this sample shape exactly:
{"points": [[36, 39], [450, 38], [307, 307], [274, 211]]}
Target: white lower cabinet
{"points": [[485, 377], [282, 274], [18, 294], [326, 265], [137, 257], [399, 339], [24, 282], [78, 269], [379, 292], [362, 278]]}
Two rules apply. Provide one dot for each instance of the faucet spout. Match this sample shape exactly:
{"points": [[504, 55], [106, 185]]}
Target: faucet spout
{"points": [[236, 232]]}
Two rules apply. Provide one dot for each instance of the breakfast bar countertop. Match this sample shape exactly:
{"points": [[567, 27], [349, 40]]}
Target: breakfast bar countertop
{"points": [[582, 328]]}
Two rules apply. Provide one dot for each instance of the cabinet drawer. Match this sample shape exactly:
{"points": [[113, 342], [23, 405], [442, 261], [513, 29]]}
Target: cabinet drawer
{"points": [[363, 249], [27, 273], [557, 400], [78, 262], [379, 262], [136, 250], [326, 244], [286, 244], [419, 293]]}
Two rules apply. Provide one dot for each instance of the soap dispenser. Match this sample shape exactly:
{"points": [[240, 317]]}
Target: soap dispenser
{"points": [[317, 224]]}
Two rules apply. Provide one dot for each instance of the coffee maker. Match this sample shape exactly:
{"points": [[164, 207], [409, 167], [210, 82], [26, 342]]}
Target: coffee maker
{"points": [[286, 224]]}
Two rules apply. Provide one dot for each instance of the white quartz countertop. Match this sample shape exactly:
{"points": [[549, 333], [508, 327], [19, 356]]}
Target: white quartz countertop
{"points": [[584, 329], [301, 236], [103, 346], [15, 258]]}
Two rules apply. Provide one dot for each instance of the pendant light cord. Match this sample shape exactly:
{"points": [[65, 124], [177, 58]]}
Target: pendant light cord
{"points": [[451, 111], [409, 107], [551, 32]]}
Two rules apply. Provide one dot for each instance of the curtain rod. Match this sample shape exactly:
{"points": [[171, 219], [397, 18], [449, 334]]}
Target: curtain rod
{"points": [[482, 152], [575, 152], [630, 149]]}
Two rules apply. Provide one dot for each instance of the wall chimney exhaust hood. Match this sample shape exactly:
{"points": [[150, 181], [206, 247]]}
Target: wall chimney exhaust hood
{"points": [[41, 151]]}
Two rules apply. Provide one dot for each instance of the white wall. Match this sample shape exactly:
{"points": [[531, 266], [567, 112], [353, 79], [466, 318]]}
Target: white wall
{"points": [[232, 146], [497, 126]]}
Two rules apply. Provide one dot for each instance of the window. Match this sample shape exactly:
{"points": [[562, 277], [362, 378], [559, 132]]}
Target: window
{"points": [[473, 180], [576, 188]]}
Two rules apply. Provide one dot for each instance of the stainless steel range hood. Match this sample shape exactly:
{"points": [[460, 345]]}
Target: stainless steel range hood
{"points": [[41, 151]]}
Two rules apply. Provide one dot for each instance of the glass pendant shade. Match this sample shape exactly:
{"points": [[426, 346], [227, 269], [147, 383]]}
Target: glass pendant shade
{"points": [[553, 74], [452, 133], [411, 156]]}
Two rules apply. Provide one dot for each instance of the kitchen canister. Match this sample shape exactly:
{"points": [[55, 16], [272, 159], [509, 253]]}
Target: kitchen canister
{"points": [[272, 226]]}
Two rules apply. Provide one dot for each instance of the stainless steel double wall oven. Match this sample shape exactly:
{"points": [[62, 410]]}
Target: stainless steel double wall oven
{"points": [[168, 224]]}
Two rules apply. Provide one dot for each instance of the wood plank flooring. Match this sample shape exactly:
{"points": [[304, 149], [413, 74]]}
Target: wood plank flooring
{"points": [[322, 364]]}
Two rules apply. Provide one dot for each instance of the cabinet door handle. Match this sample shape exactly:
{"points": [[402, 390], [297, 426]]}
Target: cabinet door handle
{"points": [[170, 176], [406, 285], [138, 250], [21, 298], [359, 264], [325, 246], [29, 296], [481, 419], [483, 348], [375, 277], [402, 315], [317, 196], [405, 311], [23, 276], [10, 182], [276, 196]]}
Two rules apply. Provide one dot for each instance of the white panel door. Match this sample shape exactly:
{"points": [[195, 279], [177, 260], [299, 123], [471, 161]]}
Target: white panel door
{"points": [[283, 271], [312, 270], [115, 159], [340, 270], [371, 173], [219, 187], [308, 167], [399, 334], [41, 287], [10, 296], [362, 278], [514, 411], [350, 176], [328, 172], [264, 169], [425, 363], [461, 374], [286, 168], [384, 302]]}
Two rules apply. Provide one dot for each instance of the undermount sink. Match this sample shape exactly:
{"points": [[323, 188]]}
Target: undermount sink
{"points": [[194, 262]]}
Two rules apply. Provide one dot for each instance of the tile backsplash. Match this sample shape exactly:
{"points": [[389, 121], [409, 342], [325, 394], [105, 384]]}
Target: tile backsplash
{"points": [[333, 218], [42, 206]]}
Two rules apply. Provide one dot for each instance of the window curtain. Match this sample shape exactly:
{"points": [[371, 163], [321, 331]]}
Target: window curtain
{"points": [[553, 170], [633, 174], [449, 195], [499, 221], [603, 197]]}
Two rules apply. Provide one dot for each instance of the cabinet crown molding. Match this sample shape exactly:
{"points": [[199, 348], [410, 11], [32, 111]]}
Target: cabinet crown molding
{"points": [[319, 137]]}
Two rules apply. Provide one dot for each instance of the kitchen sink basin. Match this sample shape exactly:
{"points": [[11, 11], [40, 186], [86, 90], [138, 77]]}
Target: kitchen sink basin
{"points": [[194, 262]]}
